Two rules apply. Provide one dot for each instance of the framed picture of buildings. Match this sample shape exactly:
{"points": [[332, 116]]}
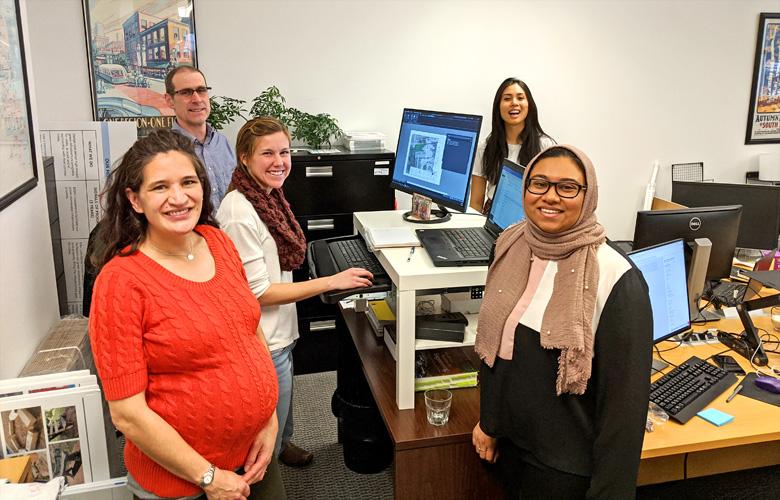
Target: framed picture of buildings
{"points": [[18, 172], [132, 44], [764, 114]]}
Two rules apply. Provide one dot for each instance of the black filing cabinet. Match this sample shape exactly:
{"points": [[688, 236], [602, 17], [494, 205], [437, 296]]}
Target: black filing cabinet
{"points": [[324, 191]]}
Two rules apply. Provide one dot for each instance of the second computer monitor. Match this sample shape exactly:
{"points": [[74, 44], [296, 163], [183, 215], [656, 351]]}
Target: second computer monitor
{"points": [[760, 223], [719, 224], [663, 267], [435, 155]]}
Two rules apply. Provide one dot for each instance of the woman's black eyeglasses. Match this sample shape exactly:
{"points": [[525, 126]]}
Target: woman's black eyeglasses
{"points": [[565, 189], [202, 91]]}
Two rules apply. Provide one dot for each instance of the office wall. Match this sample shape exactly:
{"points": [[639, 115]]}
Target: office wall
{"points": [[627, 81], [28, 298]]}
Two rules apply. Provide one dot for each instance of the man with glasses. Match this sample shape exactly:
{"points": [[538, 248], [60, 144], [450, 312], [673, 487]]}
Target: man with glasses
{"points": [[187, 93]]}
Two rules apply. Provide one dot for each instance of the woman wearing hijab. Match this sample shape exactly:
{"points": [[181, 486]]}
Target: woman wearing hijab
{"points": [[256, 216], [565, 337]]}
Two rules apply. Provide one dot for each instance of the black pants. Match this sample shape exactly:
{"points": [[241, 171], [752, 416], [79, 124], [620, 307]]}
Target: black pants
{"points": [[530, 480]]}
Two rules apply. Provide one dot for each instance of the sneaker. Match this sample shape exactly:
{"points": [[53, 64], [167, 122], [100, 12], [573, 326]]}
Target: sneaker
{"points": [[295, 457]]}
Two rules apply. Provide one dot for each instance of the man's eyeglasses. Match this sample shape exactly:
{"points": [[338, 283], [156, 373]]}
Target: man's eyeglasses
{"points": [[202, 91], [565, 189]]}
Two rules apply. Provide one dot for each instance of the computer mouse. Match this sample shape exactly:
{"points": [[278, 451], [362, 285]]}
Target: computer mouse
{"points": [[770, 384]]}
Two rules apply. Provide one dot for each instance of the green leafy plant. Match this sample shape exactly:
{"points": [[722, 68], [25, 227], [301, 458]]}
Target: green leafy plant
{"points": [[312, 130], [224, 111]]}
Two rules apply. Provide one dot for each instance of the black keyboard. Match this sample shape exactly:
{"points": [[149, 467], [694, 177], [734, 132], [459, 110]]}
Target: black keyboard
{"points": [[689, 388], [354, 253], [727, 293], [468, 243]]}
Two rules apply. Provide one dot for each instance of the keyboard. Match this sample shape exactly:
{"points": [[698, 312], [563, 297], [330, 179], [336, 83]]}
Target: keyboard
{"points": [[727, 293], [689, 388], [354, 253], [467, 242]]}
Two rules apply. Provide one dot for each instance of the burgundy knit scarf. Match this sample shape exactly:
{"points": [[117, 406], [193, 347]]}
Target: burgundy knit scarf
{"points": [[275, 212]]}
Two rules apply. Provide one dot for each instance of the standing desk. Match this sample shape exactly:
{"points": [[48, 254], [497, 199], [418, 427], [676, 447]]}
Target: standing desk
{"points": [[409, 277]]}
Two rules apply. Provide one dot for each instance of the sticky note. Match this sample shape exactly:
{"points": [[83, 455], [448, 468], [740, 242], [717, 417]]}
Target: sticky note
{"points": [[715, 417]]}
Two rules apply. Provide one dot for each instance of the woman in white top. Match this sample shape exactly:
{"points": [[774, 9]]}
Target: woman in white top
{"points": [[257, 217], [516, 135]]}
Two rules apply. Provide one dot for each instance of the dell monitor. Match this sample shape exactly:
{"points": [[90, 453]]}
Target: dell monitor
{"points": [[760, 224], [435, 156], [719, 224]]}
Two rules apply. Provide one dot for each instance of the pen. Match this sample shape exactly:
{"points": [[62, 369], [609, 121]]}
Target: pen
{"points": [[736, 391], [411, 252]]}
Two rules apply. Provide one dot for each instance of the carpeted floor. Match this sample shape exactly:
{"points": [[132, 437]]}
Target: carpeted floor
{"points": [[315, 430]]}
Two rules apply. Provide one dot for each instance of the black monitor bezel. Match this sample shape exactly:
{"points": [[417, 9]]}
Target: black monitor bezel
{"points": [[461, 207], [753, 232], [646, 249], [648, 214]]}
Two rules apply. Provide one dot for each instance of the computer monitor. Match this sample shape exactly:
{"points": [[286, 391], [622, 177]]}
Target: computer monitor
{"points": [[760, 223], [435, 156], [719, 224], [663, 267]]}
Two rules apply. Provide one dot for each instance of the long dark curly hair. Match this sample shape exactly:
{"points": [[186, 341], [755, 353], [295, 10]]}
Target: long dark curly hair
{"points": [[120, 225], [496, 148]]}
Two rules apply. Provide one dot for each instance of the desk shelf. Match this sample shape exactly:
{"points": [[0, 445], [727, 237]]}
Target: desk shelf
{"points": [[409, 276]]}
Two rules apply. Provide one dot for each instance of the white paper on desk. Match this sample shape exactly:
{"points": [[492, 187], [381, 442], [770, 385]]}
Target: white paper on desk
{"points": [[387, 237]]}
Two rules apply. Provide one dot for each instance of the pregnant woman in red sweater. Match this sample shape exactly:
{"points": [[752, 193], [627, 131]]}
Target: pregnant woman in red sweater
{"points": [[175, 332]]}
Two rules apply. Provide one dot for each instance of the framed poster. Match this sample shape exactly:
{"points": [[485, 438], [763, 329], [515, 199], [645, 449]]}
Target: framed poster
{"points": [[764, 114], [18, 170], [131, 46]]}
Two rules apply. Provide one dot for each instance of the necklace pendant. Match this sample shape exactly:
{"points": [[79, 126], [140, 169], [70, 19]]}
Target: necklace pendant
{"points": [[190, 257]]}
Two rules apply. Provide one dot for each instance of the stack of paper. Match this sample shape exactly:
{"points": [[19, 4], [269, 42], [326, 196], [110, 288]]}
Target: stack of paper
{"points": [[387, 237]]}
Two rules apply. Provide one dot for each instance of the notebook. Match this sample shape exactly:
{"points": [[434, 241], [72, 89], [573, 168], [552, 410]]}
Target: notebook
{"points": [[472, 246]]}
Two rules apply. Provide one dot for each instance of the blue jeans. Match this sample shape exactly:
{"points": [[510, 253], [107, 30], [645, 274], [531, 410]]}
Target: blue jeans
{"points": [[283, 362]]}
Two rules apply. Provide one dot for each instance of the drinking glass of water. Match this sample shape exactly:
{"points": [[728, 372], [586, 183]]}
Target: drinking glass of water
{"points": [[437, 404]]}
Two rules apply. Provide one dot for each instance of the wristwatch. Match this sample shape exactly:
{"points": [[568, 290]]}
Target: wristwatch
{"points": [[208, 477]]}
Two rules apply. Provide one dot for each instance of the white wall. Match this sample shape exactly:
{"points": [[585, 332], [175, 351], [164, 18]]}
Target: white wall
{"points": [[28, 295], [627, 81]]}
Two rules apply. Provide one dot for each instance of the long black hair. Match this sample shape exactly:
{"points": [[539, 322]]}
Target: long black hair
{"points": [[121, 225], [496, 148]]}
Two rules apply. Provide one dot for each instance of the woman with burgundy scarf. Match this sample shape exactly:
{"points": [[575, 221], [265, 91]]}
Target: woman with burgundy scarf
{"points": [[257, 217], [565, 337]]}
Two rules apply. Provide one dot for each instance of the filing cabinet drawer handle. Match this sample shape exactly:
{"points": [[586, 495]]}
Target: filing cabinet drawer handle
{"points": [[320, 225], [326, 171], [319, 326]]}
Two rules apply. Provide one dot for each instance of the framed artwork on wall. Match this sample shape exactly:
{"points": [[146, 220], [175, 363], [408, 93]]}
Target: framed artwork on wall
{"points": [[764, 114], [18, 169], [131, 46]]}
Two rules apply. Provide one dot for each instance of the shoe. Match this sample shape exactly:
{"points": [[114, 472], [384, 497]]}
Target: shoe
{"points": [[295, 457]]}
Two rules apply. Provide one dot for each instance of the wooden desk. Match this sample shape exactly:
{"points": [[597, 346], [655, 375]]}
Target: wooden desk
{"points": [[698, 448], [430, 462], [432, 459], [17, 469]]}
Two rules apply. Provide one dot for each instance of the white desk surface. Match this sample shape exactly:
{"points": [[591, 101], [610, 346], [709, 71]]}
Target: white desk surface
{"points": [[420, 273]]}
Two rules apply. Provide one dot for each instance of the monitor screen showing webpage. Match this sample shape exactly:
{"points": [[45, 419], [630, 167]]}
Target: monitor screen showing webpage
{"points": [[663, 267], [507, 207], [435, 155]]}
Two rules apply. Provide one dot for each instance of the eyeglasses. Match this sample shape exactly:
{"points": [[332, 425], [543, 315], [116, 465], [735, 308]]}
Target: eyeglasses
{"points": [[202, 91], [565, 189]]}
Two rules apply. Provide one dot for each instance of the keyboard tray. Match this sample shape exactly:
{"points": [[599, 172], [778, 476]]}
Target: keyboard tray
{"points": [[321, 263]]}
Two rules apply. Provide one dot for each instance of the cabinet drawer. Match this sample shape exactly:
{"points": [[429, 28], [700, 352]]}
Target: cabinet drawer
{"points": [[319, 227], [313, 308], [317, 347], [324, 187]]}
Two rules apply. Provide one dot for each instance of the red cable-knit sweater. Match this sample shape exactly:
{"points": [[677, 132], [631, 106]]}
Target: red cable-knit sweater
{"points": [[192, 347]]}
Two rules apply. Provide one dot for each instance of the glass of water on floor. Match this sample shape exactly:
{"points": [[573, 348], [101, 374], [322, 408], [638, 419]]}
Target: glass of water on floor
{"points": [[437, 405]]}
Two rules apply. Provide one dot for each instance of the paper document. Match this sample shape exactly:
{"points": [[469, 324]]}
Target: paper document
{"points": [[391, 237]]}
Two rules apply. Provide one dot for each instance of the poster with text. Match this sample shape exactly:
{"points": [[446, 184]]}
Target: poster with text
{"points": [[764, 114]]}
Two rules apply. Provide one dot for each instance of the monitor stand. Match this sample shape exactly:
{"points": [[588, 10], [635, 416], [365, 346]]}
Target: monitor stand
{"points": [[437, 216]]}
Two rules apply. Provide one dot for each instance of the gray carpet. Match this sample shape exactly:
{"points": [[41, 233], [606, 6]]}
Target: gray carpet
{"points": [[315, 430]]}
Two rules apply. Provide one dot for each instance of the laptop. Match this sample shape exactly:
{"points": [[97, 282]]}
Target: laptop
{"points": [[472, 246]]}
